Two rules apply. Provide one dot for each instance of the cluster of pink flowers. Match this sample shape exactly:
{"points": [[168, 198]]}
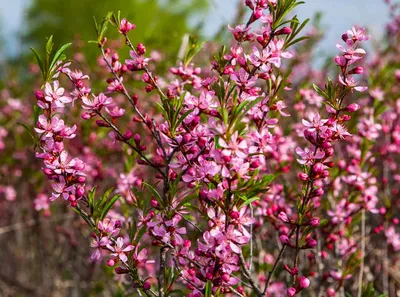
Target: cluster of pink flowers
{"points": [[67, 173], [210, 174]]}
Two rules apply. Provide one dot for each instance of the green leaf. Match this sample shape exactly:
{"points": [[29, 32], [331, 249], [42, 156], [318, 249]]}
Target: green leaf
{"points": [[208, 289], [296, 41], [28, 130], [155, 193], [108, 206], [320, 92], [91, 195], [140, 233], [193, 49], [49, 45], [249, 201], [181, 119], [39, 61], [59, 54]]}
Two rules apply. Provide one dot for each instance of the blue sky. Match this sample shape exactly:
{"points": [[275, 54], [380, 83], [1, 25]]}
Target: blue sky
{"points": [[339, 15]]}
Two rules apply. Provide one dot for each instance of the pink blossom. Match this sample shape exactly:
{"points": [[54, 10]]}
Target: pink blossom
{"points": [[54, 96], [308, 156], [97, 103], [126, 26], [138, 62], [119, 251]]}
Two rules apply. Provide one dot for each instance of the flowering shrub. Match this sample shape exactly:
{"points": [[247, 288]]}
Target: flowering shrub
{"points": [[242, 174]]}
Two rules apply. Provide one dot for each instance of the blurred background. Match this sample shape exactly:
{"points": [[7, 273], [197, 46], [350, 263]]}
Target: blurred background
{"points": [[29, 21]]}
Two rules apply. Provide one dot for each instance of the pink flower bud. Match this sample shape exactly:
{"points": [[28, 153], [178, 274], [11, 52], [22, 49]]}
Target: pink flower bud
{"points": [[331, 292], [235, 215], [284, 31], [126, 26], [314, 222], [120, 270], [86, 116], [304, 282], [303, 176], [352, 107], [357, 70], [317, 192], [81, 179], [346, 117], [141, 49], [311, 243], [255, 164], [225, 277], [137, 139], [48, 171], [283, 217], [128, 135], [249, 3], [329, 152], [284, 239], [154, 203], [146, 285], [80, 190], [114, 57], [39, 95], [291, 292], [318, 168], [111, 262], [258, 13]]}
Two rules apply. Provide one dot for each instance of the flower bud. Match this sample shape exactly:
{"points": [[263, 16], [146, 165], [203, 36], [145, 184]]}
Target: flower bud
{"points": [[284, 31], [120, 270], [324, 174], [258, 13], [141, 49], [318, 168], [331, 292], [329, 152], [249, 4], [154, 203], [114, 57], [284, 239], [48, 171], [225, 277], [311, 243], [234, 215], [80, 190], [283, 217], [357, 70], [291, 292], [101, 123], [111, 262], [255, 164], [346, 118], [86, 116], [317, 192], [209, 275], [39, 95], [314, 222], [304, 282], [303, 176], [352, 107], [146, 285]]}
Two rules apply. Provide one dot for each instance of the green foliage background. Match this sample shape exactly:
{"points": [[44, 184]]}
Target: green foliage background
{"points": [[160, 23]]}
